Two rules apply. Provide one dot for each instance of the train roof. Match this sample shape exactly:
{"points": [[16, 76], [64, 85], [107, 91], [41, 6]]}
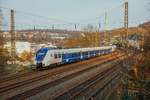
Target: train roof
{"points": [[73, 50]]}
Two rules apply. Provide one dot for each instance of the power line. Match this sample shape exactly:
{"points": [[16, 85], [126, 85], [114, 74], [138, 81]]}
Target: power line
{"points": [[35, 15], [63, 21], [103, 13]]}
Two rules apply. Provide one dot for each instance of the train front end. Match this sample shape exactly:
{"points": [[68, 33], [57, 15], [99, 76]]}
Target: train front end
{"points": [[40, 57]]}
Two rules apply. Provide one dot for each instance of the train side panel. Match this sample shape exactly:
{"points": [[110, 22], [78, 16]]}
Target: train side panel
{"points": [[66, 56]]}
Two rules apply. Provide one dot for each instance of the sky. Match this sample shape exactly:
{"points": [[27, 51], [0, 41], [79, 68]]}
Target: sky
{"points": [[66, 13]]}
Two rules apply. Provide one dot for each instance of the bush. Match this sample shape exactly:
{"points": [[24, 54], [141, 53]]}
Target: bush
{"points": [[4, 57], [3, 53]]}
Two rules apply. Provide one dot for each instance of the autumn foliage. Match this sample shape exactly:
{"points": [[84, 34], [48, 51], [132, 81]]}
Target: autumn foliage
{"points": [[26, 56], [4, 55], [87, 39]]}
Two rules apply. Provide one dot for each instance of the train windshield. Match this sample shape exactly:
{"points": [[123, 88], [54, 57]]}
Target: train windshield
{"points": [[41, 54]]}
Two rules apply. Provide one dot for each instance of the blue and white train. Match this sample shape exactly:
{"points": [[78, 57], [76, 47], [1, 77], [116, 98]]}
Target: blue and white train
{"points": [[45, 56]]}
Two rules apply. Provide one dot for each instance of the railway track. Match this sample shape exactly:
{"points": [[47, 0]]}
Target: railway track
{"points": [[15, 76], [82, 88], [29, 76], [59, 74], [54, 91], [105, 92], [97, 86]]}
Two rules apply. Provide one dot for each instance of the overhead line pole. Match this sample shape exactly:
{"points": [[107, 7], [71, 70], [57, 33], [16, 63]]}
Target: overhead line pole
{"points": [[105, 23], [75, 26], [53, 27], [105, 28], [126, 21], [13, 35], [125, 63], [1, 18]]}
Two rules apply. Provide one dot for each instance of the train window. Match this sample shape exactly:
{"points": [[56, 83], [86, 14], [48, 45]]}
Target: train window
{"points": [[86, 53], [78, 54], [59, 55], [82, 53], [55, 55], [73, 55]]}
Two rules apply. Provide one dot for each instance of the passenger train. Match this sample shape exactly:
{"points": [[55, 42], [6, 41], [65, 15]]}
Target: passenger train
{"points": [[46, 57]]}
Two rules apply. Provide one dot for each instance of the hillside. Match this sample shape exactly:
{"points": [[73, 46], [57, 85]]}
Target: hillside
{"points": [[146, 26], [131, 30]]}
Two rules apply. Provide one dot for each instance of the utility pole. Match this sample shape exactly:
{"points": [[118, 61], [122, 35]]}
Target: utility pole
{"points": [[1, 18], [53, 27], [106, 36], [107, 33], [126, 21], [13, 35], [105, 26], [99, 26], [34, 28], [125, 63], [75, 26]]}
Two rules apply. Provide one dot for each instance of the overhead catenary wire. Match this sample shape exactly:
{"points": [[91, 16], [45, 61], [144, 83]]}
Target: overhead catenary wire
{"points": [[102, 14], [62, 21], [36, 15], [58, 23]]}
